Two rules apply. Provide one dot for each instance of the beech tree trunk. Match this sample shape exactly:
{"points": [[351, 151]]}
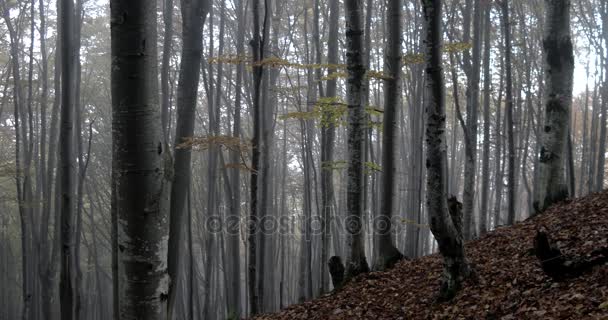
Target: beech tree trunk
{"points": [[356, 262], [328, 133], [140, 221], [66, 159], [559, 69], [444, 228], [194, 13], [388, 254], [511, 188]]}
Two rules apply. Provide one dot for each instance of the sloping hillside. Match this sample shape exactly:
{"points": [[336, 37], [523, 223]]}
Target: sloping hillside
{"points": [[511, 283]]}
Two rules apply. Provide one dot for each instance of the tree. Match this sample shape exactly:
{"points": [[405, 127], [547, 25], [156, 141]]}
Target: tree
{"points": [[140, 220], [470, 130], [66, 159], [356, 262], [444, 225], [194, 13], [559, 69], [388, 254], [509, 115], [487, 81], [257, 47], [328, 136]]}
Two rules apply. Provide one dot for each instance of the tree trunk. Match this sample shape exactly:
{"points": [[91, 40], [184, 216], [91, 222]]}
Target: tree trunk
{"points": [[194, 13], [257, 46], [356, 262], [487, 82], [66, 159], [388, 254], [328, 133], [559, 69], [509, 116], [444, 228], [140, 229], [470, 167]]}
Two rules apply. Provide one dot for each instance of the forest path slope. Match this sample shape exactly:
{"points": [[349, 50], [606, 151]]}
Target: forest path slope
{"points": [[511, 283]]}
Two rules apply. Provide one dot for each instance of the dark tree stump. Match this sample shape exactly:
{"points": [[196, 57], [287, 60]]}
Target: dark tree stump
{"points": [[558, 266], [336, 270]]}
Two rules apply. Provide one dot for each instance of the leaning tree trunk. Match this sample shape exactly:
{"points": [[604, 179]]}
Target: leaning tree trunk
{"points": [[194, 13], [444, 226], [559, 69], [140, 221], [388, 254], [356, 262]]}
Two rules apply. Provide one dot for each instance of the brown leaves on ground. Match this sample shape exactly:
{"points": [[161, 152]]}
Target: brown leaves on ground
{"points": [[511, 283]]}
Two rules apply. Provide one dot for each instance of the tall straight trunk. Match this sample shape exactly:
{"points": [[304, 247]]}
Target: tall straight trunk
{"points": [[194, 13], [356, 262], [487, 82], [509, 115], [328, 133], [559, 70], [444, 225], [66, 159], [141, 220], [388, 254], [470, 167], [232, 243], [257, 47]]}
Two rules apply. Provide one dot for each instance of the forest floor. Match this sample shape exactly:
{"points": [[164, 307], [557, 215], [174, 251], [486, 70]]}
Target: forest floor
{"points": [[511, 283]]}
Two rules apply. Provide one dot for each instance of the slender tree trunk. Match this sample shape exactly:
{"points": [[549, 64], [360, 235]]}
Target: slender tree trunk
{"points": [[141, 221], [443, 225], [559, 69], [388, 254], [66, 159], [234, 265], [356, 262], [257, 46], [194, 13], [487, 82], [509, 116], [328, 132]]}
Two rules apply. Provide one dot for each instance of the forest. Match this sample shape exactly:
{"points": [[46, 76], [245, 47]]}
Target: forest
{"points": [[228, 159]]}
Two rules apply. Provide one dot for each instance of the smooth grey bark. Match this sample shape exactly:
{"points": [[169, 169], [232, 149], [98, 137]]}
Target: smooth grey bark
{"points": [[511, 183], [470, 130], [559, 69], [356, 262], [443, 226], [388, 254], [233, 287], [194, 13], [328, 133], [140, 219], [66, 159], [487, 82]]}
